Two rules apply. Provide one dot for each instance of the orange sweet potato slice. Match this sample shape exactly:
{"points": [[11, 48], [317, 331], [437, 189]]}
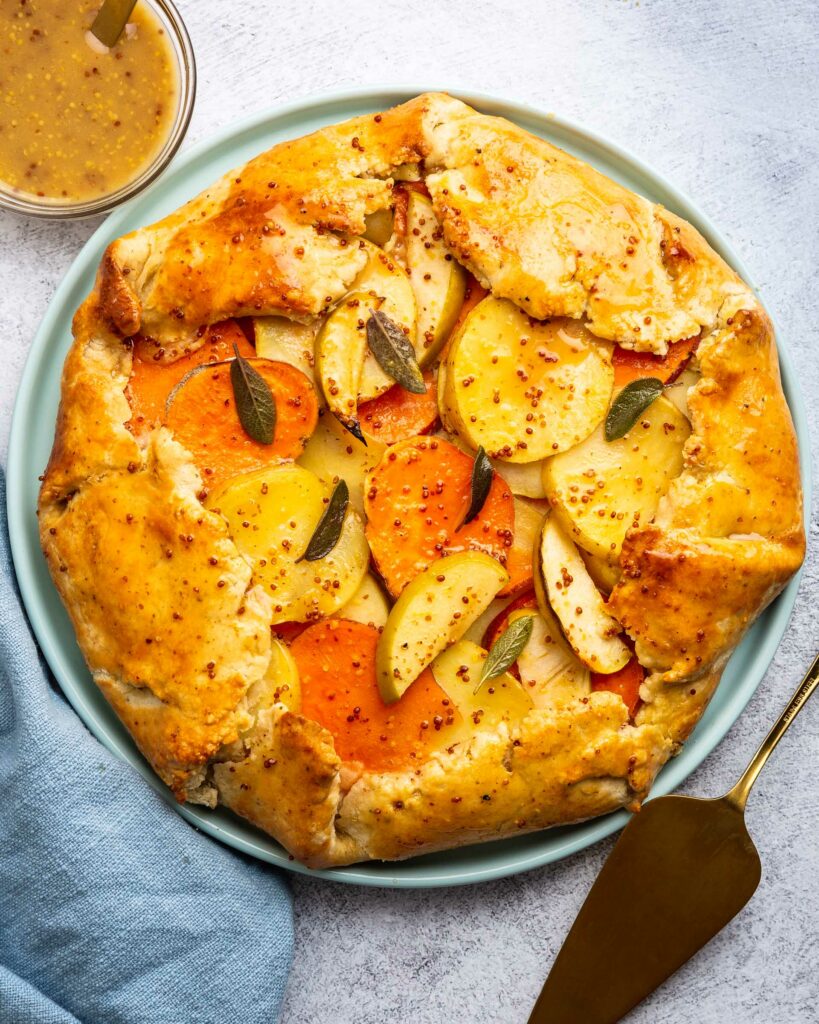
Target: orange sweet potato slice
{"points": [[399, 414], [339, 690], [202, 416], [629, 365], [626, 682], [416, 500], [152, 381]]}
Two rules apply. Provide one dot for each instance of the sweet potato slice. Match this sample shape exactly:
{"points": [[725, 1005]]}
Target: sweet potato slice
{"points": [[202, 416], [629, 365], [626, 682], [152, 380], [416, 500], [399, 414], [336, 662]]}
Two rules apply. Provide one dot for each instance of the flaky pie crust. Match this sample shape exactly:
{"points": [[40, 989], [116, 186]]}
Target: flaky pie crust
{"points": [[136, 556]]}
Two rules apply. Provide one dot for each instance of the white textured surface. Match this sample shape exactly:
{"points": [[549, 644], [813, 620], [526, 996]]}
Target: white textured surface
{"points": [[721, 96]]}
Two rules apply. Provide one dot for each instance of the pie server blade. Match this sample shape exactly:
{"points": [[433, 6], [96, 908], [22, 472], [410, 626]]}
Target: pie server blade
{"points": [[682, 868]]}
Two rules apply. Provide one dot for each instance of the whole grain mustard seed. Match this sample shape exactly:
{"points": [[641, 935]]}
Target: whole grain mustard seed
{"points": [[77, 124]]}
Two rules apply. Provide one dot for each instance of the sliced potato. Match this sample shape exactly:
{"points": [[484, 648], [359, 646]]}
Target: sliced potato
{"points": [[341, 349], [433, 611], [280, 684], [525, 479], [438, 280], [368, 604], [383, 278], [272, 514], [332, 453], [287, 342], [600, 488], [592, 633], [548, 668], [525, 389], [457, 671]]}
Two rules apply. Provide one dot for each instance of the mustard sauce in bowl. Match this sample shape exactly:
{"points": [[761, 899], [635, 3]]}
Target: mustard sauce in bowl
{"points": [[83, 127]]}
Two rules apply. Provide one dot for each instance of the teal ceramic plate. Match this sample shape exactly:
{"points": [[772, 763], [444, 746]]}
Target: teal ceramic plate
{"points": [[32, 433]]}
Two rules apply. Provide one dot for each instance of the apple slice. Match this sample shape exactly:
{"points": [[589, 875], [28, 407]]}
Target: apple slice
{"points": [[519, 561], [368, 605], [457, 671], [604, 572], [333, 454], [438, 280], [592, 633], [549, 669], [341, 350], [600, 488], [383, 279], [525, 389], [433, 611], [280, 684], [378, 227], [272, 515], [287, 342]]}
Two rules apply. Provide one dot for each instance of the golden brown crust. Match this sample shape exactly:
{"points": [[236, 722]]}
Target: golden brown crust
{"points": [[163, 605]]}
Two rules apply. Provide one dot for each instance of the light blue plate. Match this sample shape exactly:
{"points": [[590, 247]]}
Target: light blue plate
{"points": [[33, 429]]}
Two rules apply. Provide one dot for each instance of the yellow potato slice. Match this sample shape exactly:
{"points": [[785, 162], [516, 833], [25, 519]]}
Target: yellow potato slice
{"points": [[525, 479], [600, 488], [457, 671], [525, 389], [383, 278], [592, 633], [286, 341], [368, 605], [438, 280], [333, 454], [433, 611], [550, 671], [272, 514]]}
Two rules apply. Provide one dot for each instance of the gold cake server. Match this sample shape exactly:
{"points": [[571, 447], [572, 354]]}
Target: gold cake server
{"points": [[682, 868]]}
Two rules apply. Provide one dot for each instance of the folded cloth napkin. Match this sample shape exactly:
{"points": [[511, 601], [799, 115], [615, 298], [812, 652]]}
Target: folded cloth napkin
{"points": [[113, 910]]}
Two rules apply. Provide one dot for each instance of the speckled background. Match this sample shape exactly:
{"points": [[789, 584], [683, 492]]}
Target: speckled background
{"points": [[721, 96]]}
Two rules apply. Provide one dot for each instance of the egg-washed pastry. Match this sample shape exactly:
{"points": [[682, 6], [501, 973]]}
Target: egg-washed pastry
{"points": [[413, 484]]}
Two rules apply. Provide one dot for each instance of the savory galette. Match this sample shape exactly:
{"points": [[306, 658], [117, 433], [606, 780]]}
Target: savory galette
{"points": [[413, 484]]}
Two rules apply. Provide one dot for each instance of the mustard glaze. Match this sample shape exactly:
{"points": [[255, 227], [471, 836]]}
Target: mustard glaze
{"points": [[76, 121]]}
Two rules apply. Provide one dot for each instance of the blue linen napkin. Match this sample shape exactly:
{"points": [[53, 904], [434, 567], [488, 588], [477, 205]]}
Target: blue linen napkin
{"points": [[113, 910]]}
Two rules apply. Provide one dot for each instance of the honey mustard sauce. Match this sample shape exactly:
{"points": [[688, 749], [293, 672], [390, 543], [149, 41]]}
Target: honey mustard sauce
{"points": [[79, 121]]}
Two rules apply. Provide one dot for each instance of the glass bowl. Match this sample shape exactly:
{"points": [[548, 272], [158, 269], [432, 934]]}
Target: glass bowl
{"points": [[182, 51]]}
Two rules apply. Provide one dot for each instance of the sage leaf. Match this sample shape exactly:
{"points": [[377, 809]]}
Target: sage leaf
{"points": [[393, 352], [354, 426], [255, 403], [626, 408], [506, 648], [482, 474], [326, 534]]}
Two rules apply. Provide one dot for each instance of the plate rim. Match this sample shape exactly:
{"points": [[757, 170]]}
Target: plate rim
{"points": [[377, 873]]}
